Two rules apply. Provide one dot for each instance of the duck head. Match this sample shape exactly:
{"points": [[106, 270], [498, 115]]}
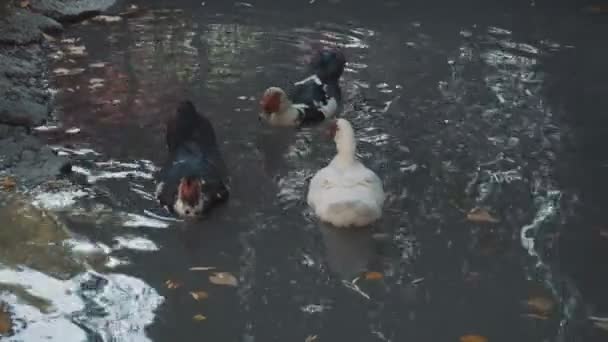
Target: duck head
{"points": [[191, 201], [273, 102]]}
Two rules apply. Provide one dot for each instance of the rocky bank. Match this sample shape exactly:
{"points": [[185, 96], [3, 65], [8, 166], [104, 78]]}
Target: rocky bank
{"points": [[25, 99]]}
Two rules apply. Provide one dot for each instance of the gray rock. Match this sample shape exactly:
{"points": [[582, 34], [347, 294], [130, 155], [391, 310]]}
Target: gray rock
{"points": [[20, 107], [70, 10], [24, 100], [32, 168], [23, 27]]}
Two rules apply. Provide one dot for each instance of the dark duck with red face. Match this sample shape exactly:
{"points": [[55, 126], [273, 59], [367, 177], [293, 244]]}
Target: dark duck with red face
{"points": [[312, 99], [193, 179]]}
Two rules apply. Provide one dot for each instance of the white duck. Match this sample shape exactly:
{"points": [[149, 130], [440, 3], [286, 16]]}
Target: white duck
{"points": [[345, 192]]}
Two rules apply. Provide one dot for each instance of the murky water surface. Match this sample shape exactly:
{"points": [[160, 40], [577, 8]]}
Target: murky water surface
{"points": [[450, 113]]}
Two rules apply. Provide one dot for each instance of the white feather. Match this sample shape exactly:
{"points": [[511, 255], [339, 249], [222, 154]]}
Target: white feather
{"points": [[313, 78]]}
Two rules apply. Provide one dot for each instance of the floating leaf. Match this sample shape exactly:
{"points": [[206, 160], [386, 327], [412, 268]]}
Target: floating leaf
{"points": [[202, 268], [473, 338], [223, 278], [597, 9], [311, 338], [535, 316], [199, 295], [5, 321], [541, 305], [600, 322], [106, 18], [480, 215], [373, 275], [172, 284], [24, 3], [8, 183], [199, 317]]}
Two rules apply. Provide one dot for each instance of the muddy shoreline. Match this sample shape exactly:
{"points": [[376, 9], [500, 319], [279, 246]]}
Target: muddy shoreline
{"points": [[26, 101]]}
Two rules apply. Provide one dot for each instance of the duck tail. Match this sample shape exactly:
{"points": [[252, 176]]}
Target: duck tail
{"points": [[328, 64]]}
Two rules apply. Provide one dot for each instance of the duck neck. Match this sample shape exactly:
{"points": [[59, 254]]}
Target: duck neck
{"points": [[346, 147]]}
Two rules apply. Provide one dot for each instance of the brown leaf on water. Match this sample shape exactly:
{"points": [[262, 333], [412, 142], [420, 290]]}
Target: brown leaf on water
{"points": [[199, 295], [24, 3], [8, 183], [5, 321], [311, 338], [172, 284], [473, 338], [373, 275], [199, 317], [480, 215], [541, 305], [596, 9], [223, 278]]}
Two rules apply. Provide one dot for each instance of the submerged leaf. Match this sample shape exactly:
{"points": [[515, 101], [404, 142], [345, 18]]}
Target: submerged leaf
{"points": [[172, 284], [542, 305], [199, 317], [373, 275], [199, 295], [5, 321], [8, 183], [473, 338], [311, 338], [480, 215], [223, 278]]}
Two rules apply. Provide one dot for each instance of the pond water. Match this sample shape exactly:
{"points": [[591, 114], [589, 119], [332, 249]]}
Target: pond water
{"points": [[449, 108]]}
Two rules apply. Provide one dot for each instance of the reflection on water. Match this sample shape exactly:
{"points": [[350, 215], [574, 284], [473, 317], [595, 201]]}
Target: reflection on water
{"points": [[447, 126]]}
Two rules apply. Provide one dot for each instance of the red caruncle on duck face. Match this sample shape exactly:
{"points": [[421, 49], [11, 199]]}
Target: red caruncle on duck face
{"points": [[271, 102], [189, 190]]}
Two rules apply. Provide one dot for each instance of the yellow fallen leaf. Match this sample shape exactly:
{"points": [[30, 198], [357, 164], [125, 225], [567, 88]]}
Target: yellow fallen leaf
{"points": [[199, 317], [199, 295], [480, 215], [202, 268], [542, 305], [473, 338], [172, 284], [8, 183], [223, 278], [5, 321], [373, 275], [311, 338]]}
